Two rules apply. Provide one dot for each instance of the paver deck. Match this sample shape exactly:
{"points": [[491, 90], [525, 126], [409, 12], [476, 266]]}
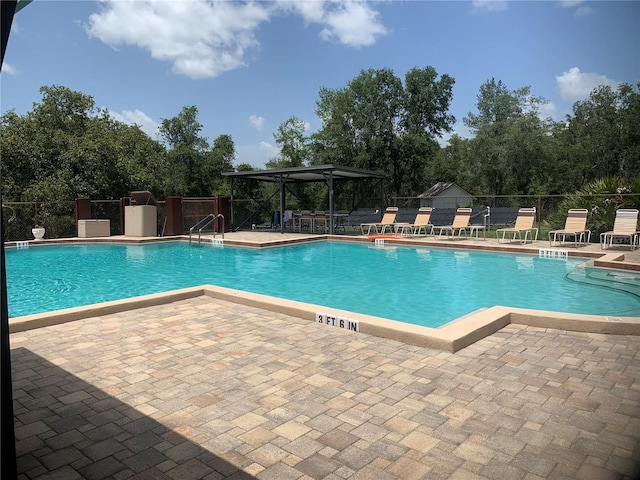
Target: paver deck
{"points": [[204, 389]]}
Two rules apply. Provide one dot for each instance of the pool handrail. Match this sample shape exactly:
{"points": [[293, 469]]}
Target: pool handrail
{"points": [[204, 223]]}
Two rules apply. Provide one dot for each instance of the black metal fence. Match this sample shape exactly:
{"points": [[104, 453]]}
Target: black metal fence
{"points": [[59, 218]]}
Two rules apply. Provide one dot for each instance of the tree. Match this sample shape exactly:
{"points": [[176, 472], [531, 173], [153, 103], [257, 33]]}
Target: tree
{"points": [[184, 129], [220, 159], [425, 118], [187, 154], [142, 161], [602, 137], [510, 138], [378, 123], [427, 101], [496, 107], [454, 163], [294, 150], [65, 148], [629, 113]]}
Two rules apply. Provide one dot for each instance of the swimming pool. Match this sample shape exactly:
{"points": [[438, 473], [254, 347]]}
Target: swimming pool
{"points": [[427, 287]]}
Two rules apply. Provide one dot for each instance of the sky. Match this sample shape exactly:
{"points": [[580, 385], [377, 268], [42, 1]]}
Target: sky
{"points": [[250, 66]]}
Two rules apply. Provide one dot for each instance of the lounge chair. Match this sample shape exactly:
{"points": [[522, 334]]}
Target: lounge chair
{"points": [[459, 225], [524, 226], [575, 227], [422, 223], [625, 227], [388, 219]]}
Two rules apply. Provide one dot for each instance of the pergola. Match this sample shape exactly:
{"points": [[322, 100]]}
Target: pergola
{"points": [[321, 173]]}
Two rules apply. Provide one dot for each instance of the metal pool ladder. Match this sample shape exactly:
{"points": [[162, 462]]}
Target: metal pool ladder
{"points": [[204, 223]]}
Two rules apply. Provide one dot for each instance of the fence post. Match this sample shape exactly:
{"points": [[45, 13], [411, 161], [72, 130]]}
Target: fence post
{"points": [[124, 202], [223, 206], [173, 211], [83, 211], [539, 209]]}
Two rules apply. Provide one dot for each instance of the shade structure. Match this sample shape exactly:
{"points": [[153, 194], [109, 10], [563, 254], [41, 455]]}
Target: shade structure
{"points": [[320, 173]]}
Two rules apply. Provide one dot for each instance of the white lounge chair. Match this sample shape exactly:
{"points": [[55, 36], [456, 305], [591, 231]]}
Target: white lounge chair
{"points": [[575, 227], [422, 223], [388, 219], [625, 227], [459, 225], [525, 225]]}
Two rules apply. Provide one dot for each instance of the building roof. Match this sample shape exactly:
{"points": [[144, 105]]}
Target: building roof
{"points": [[440, 188]]}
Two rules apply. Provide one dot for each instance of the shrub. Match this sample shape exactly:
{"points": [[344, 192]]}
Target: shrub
{"points": [[602, 198]]}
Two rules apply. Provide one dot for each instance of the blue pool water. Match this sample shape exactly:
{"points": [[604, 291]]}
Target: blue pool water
{"points": [[416, 285]]}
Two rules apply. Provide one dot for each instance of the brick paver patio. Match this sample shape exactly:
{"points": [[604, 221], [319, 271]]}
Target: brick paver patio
{"points": [[203, 389]]}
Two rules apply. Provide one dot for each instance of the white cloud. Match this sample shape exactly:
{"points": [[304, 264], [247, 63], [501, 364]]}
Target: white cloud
{"points": [[352, 23], [203, 39], [489, 5], [136, 117], [269, 149], [256, 155], [256, 121], [312, 12], [575, 85], [548, 110], [8, 69], [581, 11]]}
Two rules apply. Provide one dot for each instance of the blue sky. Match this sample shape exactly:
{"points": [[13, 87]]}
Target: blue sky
{"points": [[248, 67]]}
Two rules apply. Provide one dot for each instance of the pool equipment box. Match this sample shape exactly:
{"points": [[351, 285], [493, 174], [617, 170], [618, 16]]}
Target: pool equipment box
{"points": [[140, 220], [94, 228]]}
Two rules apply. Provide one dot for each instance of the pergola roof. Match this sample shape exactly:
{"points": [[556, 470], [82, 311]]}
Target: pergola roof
{"points": [[307, 174]]}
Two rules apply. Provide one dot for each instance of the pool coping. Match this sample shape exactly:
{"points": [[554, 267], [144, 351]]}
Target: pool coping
{"points": [[451, 337], [604, 258]]}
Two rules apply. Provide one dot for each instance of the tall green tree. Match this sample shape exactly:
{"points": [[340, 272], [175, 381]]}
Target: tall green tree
{"points": [[219, 159], [142, 161], [425, 118], [66, 148], [376, 122], [184, 130], [187, 153], [294, 151], [602, 136], [454, 163], [293, 144], [509, 142]]}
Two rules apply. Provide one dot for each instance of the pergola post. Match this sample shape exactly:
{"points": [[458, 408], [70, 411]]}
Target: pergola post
{"points": [[331, 229], [382, 205], [231, 219], [281, 183]]}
